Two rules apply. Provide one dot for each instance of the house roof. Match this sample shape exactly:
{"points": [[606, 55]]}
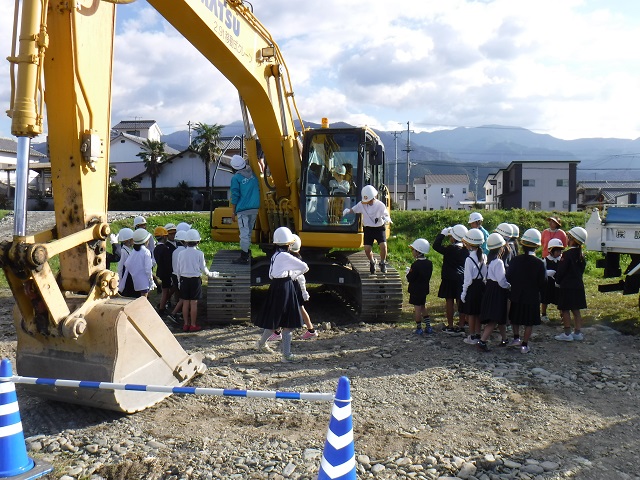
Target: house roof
{"points": [[608, 184], [451, 179], [140, 141], [9, 145], [135, 124]]}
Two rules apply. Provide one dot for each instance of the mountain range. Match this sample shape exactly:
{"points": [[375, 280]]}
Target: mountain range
{"points": [[480, 151]]}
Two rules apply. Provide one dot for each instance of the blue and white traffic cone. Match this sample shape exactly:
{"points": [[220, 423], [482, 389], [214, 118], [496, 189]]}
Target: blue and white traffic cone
{"points": [[14, 462], [339, 456]]}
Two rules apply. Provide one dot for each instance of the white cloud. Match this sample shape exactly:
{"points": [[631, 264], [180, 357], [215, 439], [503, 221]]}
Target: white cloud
{"points": [[566, 68]]}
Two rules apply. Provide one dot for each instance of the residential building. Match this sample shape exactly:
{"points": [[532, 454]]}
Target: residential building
{"points": [[597, 193], [39, 169], [441, 192], [146, 129], [123, 155], [534, 185]]}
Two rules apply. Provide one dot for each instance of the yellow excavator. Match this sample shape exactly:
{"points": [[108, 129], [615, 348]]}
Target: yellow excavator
{"points": [[72, 323]]}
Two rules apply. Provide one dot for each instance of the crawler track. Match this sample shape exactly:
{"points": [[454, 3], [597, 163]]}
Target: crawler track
{"points": [[229, 295]]}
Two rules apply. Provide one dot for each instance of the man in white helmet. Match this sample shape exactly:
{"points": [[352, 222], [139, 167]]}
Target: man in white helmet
{"points": [[374, 218], [245, 201], [475, 221]]}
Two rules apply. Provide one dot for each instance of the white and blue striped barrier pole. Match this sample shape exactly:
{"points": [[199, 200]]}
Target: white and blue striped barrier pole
{"points": [[57, 382]]}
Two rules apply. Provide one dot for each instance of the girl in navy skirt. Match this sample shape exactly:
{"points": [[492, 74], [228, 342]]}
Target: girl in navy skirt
{"points": [[550, 293], [527, 276], [419, 276], [571, 295], [475, 274], [281, 309], [493, 309], [452, 273]]}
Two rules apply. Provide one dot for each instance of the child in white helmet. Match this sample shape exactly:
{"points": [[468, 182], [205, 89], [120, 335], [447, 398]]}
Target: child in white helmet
{"points": [[125, 285], [475, 221], [374, 218], [550, 293], [493, 308], [281, 309], [475, 275], [452, 273], [419, 276], [527, 276], [139, 264], [140, 223], [176, 314], [571, 295], [301, 291], [191, 265]]}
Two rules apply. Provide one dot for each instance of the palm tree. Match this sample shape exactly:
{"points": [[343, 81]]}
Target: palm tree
{"points": [[207, 145], [154, 156]]}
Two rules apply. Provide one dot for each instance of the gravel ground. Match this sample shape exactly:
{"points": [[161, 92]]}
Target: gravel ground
{"points": [[423, 407]]}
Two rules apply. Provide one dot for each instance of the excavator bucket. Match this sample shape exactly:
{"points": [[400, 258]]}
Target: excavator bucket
{"points": [[125, 342]]}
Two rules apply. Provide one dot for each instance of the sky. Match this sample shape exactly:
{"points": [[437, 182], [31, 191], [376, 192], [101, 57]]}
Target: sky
{"points": [[566, 68]]}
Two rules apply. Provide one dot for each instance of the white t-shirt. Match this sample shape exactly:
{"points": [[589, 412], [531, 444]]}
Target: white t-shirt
{"points": [[139, 266], [372, 212], [284, 265], [191, 263]]}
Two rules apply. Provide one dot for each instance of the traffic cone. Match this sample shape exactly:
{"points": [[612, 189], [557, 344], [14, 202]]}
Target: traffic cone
{"points": [[339, 456], [14, 462]]}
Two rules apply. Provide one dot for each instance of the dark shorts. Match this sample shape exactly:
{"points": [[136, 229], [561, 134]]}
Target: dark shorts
{"points": [[378, 234], [167, 282], [417, 299], [190, 288]]}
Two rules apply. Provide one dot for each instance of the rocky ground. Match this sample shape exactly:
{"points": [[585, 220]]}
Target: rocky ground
{"points": [[423, 407]]}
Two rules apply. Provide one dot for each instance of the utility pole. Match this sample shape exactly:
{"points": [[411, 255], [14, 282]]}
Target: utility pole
{"points": [[395, 177], [408, 149], [189, 125]]}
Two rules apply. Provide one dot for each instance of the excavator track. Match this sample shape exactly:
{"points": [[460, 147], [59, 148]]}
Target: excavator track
{"points": [[229, 294], [379, 297]]}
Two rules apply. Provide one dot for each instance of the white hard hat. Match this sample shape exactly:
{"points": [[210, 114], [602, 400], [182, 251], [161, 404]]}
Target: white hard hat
{"points": [[531, 238], [237, 162], [475, 217], [181, 235], [421, 245], [139, 220], [140, 236], [183, 227], [297, 243], [495, 241], [192, 235], [505, 230], [170, 226], [555, 243], [283, 236], [368, 193], [474, 237], [340, 170], [125, 234], [516, 230], [579, 234], [458, 232]]}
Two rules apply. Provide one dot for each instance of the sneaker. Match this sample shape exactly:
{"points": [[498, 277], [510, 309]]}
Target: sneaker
{"points": [[173, 319], [291, 359], [504, 343], [195, 328], [544, 319], [185, 328], [525, 349], [263, 347], [274, 337], [309, 335], [563, 337], [449, 330], [383, 267], [419, 331], [470, 340], [372, 267], [516, 342], [482, 346], [428, 330], [458, 330], [578, 336]]}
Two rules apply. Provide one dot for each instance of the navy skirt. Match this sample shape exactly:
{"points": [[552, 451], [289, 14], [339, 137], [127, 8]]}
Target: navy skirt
{"points": [[281, 308], [494, 304]]}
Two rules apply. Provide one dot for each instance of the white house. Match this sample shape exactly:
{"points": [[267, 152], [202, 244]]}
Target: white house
{"points": [[122, 155], [440, 192], [147, 129], [39, 175], [534, 185]]}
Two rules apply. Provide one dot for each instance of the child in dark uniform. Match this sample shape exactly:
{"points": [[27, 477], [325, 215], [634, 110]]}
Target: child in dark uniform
{"points": [[452, 274], [550, 293], [281, 309], [527, 277], [475, 274], [493, 309], [571, 295], [419, 276]]}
